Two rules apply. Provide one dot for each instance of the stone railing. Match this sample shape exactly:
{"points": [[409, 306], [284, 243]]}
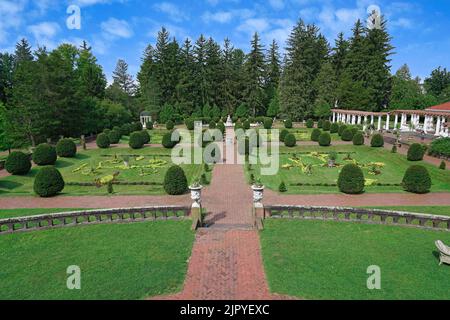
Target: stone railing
{"points": [[359, 215], [91, 217]]}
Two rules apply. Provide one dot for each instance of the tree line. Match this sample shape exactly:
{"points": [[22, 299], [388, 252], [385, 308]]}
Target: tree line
{"points": [[64, 92]]}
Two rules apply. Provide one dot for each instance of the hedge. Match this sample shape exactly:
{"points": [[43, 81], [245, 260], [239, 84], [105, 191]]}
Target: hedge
{"points": [[48, 182], [170, 125], [145, 136], [377, 141], [358, 139], [246, 125], [347, 135], [416, 152], [283, 134], [66, 148], [341, 130], [327, 126], [351, 180], [212, 125], [334, 128], [288, 124], [114, 137], [315, 135], [103, 141], [167, 141], [190, 124], [149, 125], [136, 140], [417, 180], [325, 139], [18, 163], [310, 123], [268, 123], [290, 141], [440, 148], [45, 155], [320, 124], [175, 181]]}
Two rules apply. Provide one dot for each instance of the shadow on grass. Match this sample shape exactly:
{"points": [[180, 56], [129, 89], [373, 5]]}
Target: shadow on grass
{"points": [[9, 185]]}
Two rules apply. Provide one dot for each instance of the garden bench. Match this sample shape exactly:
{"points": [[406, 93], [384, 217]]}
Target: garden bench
{"points": [[444, 252]]}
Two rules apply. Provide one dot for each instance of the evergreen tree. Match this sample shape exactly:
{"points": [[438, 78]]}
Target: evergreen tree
{"points": [[213, 72], [255, 71], [200, 72], [185, 88], [149, 91], [6, 76], [23, 52], [228, 99], [325, 90], [273, 72], [90, 73], [123, 79], [438, 81]]}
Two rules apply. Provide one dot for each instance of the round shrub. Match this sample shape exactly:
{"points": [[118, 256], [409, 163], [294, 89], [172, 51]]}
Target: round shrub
{"points": [[358, 139], [315, 135], [246, 125], [351, 179], [175, 182], [354, 130], [45, 155], [145, 136], [268, 123], [167, 141], [310, 123], [327, 126], [114, 137], [417, 180], [136, 126], [103, 141], [341, 130], [347, 135], [443, 165], [377, 141], [107, 131], [48, 182], [283, 134], [66, 148], [416, 152], [18, 163], [212, 125], [221, 127], [320, 124], [440, 147], [190, 124], [290, 141], [149, 125], [288, 124], [334, 128], [170, 125], [136, 140], [126, 129], [325, 139]]}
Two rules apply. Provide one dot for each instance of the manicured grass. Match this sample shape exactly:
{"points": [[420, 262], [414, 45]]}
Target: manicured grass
{"points": [[392, 173], [23, 185], [126, 261], [13, 213], [156, 136], [329, 260], [304, 134], [440, 211]]}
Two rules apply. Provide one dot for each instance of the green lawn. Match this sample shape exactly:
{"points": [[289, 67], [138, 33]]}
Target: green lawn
{"points": [[440, 211], [329, 260], [156, 136], [392, 172], [304, 134], [120, 261], [77, 170]]}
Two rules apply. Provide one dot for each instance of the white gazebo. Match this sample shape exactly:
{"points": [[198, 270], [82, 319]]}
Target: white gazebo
{"points": [[146, 117]]}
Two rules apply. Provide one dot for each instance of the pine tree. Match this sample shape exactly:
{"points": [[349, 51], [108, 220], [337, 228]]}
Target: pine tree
{"points": [[23, 52], [255, 70], [123, 79], [325, 90], [214, 72], [90, 73], [438, 81], [200, 72], [185, 88], [273, 72], [149, 92], [6, 76], [228, 99]]}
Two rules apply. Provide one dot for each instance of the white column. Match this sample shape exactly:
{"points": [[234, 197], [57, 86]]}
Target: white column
{"points": [[379, 123], [425, 124], [438, 127], [372, 120], [334, 117], [403, 121], [396, 121], [388, 122], [359, 120], [366, 121]]}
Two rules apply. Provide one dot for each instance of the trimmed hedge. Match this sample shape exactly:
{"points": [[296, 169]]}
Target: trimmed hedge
{"points": [[443, 165], [145, 136], [66, 148], [417, 180], [149, 125], [320, 124], [18, 163], [416, 152], [290, 141], [136, 140], [48, 182], [268, 123], [126, 129], [190, 124], [167, 141], [358, 139], [334, 128], [440, 147], [347, 135], [45, 155], [377, 141], [170, 125], [103, 141], [288, 124], [341, 130], [114, 137], [325, 139], [175, 181], [283, 134], [327, 126], [315, 135], [351, 180], [310, 123], [246, 125], [212, 125]]}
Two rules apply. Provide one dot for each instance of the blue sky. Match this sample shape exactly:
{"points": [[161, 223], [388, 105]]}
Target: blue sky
{"points": [[122, 28]]}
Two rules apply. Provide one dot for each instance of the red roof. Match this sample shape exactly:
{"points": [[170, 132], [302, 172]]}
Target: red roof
{"points": [[441, 107]]}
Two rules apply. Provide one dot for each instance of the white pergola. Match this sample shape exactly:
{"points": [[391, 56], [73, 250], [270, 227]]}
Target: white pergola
{"points": [[355, 117], [145, 118]]}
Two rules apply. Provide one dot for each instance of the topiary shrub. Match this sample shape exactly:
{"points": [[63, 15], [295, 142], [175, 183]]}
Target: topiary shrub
{"points": [[145, 136], [320, 124], [136, 140], [246, 125], [66, 148], [282, 188], [114, 137], [212, 125], [440, 147], [377, 141], [283, 134], [334, 128], [310, 123], [126, 129], [290, 141], [417, 180], [268, 123], [170, 125], [136, 126], [45, 155], [443, 165], [107, 131], [221, 127], [315, 135], [351, 179], [394, 149], [354, 130], [325, 139], [103, 141], [18, 163], [327, 126], [416, 152], [190, 124], [175, 182], [288, 124], [358, 139], [347, 135], [149, 125], [48, 182], [167, 141], [341, 130]]}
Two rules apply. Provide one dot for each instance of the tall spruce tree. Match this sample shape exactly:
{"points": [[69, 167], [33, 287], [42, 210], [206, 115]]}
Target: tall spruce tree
{"points": [[273, 73], [6, 76], [149, 93], [255, 71]]}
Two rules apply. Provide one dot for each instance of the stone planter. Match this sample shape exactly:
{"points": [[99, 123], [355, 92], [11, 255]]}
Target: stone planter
{"points": [[196, 195], [331, 163], [258, 194]]}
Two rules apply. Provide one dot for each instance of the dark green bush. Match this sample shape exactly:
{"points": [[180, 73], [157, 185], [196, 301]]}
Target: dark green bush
{"points": [[126, 129], [167, 141], [136, 126], [341, 130], [417, 180], [358, 139], [103, 141], [315, 135], [136, 140], [268, 123], [440, 148], [310, 123], [351, 179], [347, 135], [212, 125], [282, 188], [190, 124], [149, 125], [288, 124], [355, 130], [246, 125], [170, 125], [221, 127], [394, 149], [377, 141], [327, 126], [66, 148], [175, 182], [416, 152], [145, 136], [18, 163], [443, 165], [334, 128], [290, 141], [45, 155], [114, 137], [283, 134], [325, 139], [320, 124], [48, 182], [107, 131]]}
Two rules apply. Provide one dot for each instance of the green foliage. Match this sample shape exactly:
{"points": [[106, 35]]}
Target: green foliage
{"points": [[190, 124], [212, 125], [377, 141], [347, 135], [290, 141], [440, 147], [48, 182], [175, 181], [283, 134], [221, 127], [394, 149], [315, 135], [136, 140], [18, 163], [66, 148], [246, 125], [103, 141], [242, 111], [351, 179], [342, 128], [325, 139], [170, 125], [327, 126], [145, 136], [320, 124], [268, 123], [167, 141], [334, 128], [417, 180], [45, 155], [126, 129], [443, 165], [416, 152], [149, 125], [282, 188], [115, 136], [288, 124], [310, 123], [358, 139]]}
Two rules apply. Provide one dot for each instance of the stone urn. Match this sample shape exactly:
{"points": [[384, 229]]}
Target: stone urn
{"points": [[258, 194], [196, 194]]}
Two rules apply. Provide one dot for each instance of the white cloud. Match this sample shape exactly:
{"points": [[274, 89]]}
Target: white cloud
{"points": [[174, 13], [277, 4], [117, 28], [44, 33], [10, 17], [219, 17], [253, 25]]}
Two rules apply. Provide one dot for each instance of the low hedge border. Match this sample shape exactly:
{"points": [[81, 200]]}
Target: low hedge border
{"points": [[117, 183], [335, 185]]}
